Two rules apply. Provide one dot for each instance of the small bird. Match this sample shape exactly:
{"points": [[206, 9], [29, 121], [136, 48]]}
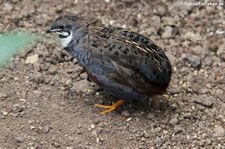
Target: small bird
{"points": [[123, 63]]}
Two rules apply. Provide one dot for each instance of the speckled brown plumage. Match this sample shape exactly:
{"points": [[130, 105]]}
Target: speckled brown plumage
{"points": [[123, 63]]}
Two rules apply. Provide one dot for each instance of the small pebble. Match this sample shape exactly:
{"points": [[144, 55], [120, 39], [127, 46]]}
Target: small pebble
{"points": [[167, 32], [150, 116], [194, 60], [18, 108], [158, 129], [52, 70], [2, 95], [174, 119], [219, 91], [125, 113], [7, 7], [178, 129], [107, 1], [219, 131], [81, 86], [207, 102], [129, 119], [92, 126], [32, 59], [161, 10], [69, 82]]}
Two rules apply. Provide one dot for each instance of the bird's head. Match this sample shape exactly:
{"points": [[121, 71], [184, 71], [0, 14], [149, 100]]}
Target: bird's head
{"points": [[68, 27]]}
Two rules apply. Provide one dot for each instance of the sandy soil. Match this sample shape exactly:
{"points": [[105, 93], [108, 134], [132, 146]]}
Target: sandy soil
{"points": [[45, 103]]}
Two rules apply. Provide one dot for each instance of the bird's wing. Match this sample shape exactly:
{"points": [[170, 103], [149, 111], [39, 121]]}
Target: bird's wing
{"points": [[142, 65]]}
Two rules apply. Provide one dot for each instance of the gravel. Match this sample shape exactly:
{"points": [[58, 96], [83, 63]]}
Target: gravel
{"points": [[47, 102]]}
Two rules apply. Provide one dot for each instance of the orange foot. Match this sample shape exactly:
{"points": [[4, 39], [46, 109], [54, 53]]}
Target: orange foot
{"points": [[112, 107]]}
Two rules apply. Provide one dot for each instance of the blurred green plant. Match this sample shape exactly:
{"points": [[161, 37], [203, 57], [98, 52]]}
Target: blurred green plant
{"points": [[12, 43], [206, 1]]}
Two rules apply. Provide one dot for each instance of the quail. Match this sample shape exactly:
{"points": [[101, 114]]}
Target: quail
{"points": [[125, 64]]}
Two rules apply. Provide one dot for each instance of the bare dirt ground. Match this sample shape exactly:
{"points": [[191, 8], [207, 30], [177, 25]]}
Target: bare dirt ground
{"points": [[45, 103]]}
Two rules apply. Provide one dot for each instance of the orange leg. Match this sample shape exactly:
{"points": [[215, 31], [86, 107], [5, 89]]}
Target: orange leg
{"points": [[112, 107]]}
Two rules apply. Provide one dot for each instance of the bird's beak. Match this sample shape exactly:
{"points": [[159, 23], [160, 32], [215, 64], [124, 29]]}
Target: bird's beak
{"points": [[53, 30], [49, 30]]}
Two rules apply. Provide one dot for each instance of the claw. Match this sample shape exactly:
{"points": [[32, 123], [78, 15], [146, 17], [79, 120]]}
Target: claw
{"points": [[112, 107]]}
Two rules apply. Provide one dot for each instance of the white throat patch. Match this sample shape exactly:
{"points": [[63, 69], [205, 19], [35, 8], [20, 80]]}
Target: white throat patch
{"points": [[65, 41]]}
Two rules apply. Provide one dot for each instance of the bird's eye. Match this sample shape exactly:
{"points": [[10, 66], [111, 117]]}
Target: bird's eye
{"points": [[61, 27]]}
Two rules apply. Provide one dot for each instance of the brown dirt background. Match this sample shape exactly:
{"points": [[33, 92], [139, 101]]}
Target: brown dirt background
{"points": [[47, 104]]}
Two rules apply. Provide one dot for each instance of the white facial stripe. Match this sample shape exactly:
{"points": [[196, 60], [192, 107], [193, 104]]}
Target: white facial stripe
{"points": [[65, 41], [55, 30], [63, 33]]}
